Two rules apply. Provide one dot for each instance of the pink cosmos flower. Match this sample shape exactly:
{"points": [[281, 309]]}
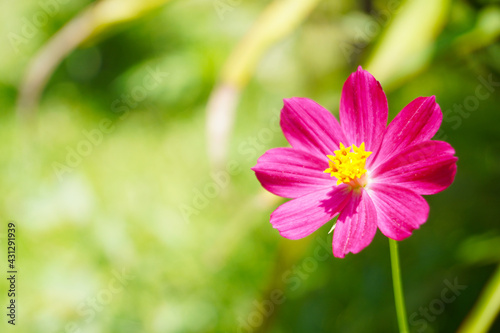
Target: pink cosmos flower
{"points": [[371, 174]]}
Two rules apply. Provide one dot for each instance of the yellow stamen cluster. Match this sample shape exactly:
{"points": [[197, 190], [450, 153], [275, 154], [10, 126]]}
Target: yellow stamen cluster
{"points": [[346, 165]]}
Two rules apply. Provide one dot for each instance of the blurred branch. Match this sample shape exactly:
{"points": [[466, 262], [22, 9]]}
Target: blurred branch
{"points": [[46, 61], [94, 20], [407, 44], [486, 309], [278, 20]]}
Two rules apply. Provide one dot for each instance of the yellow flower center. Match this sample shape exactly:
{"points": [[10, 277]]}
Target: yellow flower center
{"points": [[348, 165]]}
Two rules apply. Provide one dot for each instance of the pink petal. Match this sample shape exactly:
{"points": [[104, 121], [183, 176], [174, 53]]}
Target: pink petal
{"points": [[309, 126], [292, 173], [399, 210], [417, 122], [356, 226], [363, 110], [426, 168], [302, 216]]}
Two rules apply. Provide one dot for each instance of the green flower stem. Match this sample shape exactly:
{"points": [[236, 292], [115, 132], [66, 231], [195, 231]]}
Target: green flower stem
{"points": [[486, 309], [398, 287]]}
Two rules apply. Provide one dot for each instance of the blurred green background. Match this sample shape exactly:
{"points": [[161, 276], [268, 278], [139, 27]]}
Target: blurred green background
{"points": [[135, 206]]}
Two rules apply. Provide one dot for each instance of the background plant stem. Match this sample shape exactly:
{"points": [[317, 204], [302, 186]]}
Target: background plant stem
{"points": [[486, 309]]}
